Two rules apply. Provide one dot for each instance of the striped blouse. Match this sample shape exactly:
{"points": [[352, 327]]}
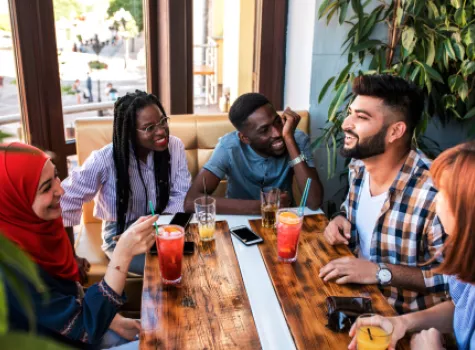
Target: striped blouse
{"points": [[96, 179]]}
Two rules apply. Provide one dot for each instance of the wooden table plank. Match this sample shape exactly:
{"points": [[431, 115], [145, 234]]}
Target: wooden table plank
{"points": [[302, 293], [208, 310]]}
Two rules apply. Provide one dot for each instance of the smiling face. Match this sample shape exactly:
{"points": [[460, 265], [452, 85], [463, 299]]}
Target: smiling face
{"points": [[156, 140], [46, 204], [365, 128], [263, 132]]}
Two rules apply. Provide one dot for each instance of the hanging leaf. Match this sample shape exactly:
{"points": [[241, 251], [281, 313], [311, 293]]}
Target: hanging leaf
{"points": [[430, 51], [399, 14], [369, 44], [463, 90], [470, 114], [449, 101], [336, 102], [449, 49], [343, 75], [468, 67], [469, 35], [459, 51], [431, 72], [323, 8], [414, 73], [428, 83], [3, 308], [460, 17], [471, 51], [332, 12], [456, 3], [325, 88], [343, 11], [433, 11], [408, 41], [455, 81]]}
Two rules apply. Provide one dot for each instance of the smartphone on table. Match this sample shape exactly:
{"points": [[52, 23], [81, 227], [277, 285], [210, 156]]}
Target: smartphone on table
{"points": [[246, 235], [180, 219]]}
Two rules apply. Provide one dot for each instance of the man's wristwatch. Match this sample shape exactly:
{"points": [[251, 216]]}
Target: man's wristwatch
{"points": [[300, 158], [384, 275]]}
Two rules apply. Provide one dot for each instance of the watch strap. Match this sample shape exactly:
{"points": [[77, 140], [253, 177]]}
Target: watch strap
{"points": [[300, 158]]}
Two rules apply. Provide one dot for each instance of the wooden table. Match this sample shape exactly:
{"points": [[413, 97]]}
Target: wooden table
{"points": [[302, 293], [208, 310]]}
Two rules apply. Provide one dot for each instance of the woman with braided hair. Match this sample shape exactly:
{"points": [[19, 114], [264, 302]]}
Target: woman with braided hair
{"points": [[143, 163]]}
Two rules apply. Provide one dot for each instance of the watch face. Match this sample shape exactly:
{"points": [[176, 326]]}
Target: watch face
{"points": [[385, 275]]}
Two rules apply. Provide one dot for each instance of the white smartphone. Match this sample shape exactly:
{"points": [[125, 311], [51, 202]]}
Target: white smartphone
{"points": [[245, 235]]}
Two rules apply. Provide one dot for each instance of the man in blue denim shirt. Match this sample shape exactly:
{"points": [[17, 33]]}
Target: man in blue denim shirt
{"points": [[266, 151]]}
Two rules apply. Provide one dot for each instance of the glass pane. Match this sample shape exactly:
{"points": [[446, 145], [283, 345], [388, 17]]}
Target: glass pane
{"points": [[101, 55], [10, 120]]}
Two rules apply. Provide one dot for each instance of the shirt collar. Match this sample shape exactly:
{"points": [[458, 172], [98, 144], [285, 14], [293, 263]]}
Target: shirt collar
{"points": [[411, 164]]}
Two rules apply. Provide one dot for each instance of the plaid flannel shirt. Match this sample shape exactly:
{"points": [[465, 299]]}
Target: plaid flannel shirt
{"points": [[407, 232]]}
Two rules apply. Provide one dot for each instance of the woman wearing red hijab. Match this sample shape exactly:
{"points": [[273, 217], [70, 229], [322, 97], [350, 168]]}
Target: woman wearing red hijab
{"points": [[30, 216]]}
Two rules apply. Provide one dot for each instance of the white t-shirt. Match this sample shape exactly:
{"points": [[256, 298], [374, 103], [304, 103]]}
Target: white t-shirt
{"points": [[369, 209]]}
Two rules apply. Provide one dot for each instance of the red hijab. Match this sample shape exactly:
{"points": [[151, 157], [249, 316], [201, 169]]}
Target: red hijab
{"points": [[45, 241]]}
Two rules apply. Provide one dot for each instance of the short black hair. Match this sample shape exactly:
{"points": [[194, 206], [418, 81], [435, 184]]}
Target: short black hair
{"points": [[244, 106], [397, 93]]}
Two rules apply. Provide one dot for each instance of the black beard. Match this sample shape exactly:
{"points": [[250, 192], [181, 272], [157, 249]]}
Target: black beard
{"points": [[372, 146]]}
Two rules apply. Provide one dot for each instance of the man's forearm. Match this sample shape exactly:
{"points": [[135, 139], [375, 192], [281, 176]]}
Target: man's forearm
{"points": [[440, 317], [407, 277], [302, 172]]}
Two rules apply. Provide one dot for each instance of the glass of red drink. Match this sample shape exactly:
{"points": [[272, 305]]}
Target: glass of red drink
{"points": [[170, 243], [289, 223]]}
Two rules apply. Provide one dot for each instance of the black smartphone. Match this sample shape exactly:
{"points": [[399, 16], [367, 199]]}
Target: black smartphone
{"points": [[181, 219], [245, 235], [189, 248]]}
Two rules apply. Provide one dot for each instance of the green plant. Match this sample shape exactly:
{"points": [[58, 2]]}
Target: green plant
{"points": [[135, 7], [97, 65], [429, 42], [67, 90], [15, 268]]}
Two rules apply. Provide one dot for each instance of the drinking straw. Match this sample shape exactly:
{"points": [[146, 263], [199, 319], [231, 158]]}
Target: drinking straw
{"points": [[303, 201], [206, 200], [369, 333], [150, 204]]}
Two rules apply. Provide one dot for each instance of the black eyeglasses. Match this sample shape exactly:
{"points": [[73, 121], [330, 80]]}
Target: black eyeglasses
{"points": [[163, 123]]}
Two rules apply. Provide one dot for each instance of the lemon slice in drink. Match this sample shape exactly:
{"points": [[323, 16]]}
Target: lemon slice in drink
{"points": [[289, 218]]}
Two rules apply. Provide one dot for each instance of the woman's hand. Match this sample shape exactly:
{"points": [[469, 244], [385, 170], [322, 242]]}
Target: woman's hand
{"points": [[399, 329], [427, 339], [127, 328], [138, 238]]}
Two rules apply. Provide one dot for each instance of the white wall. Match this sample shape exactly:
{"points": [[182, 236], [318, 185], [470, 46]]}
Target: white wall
{"points": [[298, 66]]}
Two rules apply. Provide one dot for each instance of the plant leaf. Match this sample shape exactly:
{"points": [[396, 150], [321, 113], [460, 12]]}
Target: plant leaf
{"points": [[342, 78], [459, 51], [460, 17], [430, 51], [343, 11], [469, 35], [433, 9], [432, 72], [449, 101], [468, 67], [332, 12], [325, 88], [336, 102], [408, 41], [3, 309], [456, 3], [414, 73], [471, 52], [449, 49], [470, 114], [14, 257], [322, 8], [399, 14], [463, 90], [365, 45], [23, 340], [455, 81]]}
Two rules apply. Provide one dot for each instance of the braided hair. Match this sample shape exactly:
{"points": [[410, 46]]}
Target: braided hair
{"points": [[126, 109]]}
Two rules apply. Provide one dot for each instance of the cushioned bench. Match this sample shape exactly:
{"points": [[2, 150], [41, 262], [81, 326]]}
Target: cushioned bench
{"points": [[199, 133]]}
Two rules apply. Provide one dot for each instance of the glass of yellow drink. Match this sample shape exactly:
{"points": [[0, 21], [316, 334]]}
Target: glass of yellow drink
{"points": [[374, 332], [205, 210], [270, 202]]}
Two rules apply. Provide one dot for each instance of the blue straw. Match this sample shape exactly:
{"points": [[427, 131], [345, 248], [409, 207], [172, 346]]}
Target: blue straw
{"points": [[303, 201], [150, 204]]}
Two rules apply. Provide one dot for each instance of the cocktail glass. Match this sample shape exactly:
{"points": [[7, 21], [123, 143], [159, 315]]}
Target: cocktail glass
{"points": [[289, 224], [170, 243]]}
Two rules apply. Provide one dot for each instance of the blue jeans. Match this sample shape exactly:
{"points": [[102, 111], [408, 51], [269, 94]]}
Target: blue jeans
{"points": [[109, 230], [112, 340]]}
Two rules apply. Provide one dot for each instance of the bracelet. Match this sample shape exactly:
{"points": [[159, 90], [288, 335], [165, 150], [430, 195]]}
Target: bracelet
{"points": [[338, 213], [117, 267], [300, 158]]}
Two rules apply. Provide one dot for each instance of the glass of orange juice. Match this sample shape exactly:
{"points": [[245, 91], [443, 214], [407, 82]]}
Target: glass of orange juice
{"points": [[205, 210], [374, 333], [289, 223]]}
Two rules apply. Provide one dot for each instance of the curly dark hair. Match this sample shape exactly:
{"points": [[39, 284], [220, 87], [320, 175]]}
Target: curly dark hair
{"points": [[125, 120]]}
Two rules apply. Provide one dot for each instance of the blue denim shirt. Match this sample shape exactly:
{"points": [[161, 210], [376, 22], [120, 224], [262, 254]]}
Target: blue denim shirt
{"points": [[463, 296], [247, 172]]}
